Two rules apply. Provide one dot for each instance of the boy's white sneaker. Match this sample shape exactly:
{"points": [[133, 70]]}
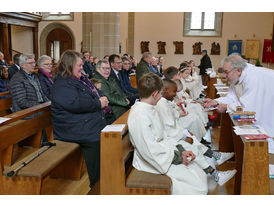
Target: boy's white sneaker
{"points": [[222, 177], [224, 157]]}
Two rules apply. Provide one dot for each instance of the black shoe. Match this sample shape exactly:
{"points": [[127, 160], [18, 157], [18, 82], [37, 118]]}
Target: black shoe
{"points": [[206, 143]]}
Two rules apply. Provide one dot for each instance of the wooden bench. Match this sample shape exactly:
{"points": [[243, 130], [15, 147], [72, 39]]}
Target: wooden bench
{"points": [[5, 104], [118, 177], [133, 82], [252, 159], [59, 170]]}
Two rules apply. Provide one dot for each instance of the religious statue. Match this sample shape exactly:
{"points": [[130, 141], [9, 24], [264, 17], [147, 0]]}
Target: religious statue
{"points": [[161, 47], [179, 47], [215, 49], [144, 46], [197, 48]]}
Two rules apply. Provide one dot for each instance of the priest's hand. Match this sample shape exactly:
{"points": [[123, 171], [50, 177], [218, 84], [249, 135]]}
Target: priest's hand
{"points": [[185, 155], [222, 108]]}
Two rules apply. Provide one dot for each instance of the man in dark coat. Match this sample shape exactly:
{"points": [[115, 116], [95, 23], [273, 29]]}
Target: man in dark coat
{"points": [[25, 88], [143, 66], [89, 70], [2, 61], [15, 67], [205, 63]]}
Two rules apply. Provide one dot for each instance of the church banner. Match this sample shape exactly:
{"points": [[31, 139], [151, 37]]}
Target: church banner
{"points": [[268, 55], [252, 49], [234, 46]]}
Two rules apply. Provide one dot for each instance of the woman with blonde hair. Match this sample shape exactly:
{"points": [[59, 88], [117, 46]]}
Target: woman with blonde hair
{"points": [[78, 110]]}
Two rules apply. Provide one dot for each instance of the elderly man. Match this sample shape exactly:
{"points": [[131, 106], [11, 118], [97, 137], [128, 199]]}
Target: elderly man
{"points": [[117, 98], [25, 88], [2, 61], [143, 66], [89, 70], [205, 64], [250, 87]]}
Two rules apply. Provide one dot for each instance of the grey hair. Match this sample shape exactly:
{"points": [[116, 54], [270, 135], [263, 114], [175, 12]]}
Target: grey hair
{"points": [[42, 59], [146, 54], [1, 53], [236, 61], [100, 62], [24, 57]]}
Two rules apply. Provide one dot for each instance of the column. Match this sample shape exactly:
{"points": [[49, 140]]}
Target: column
{"points": [[35, 41], [101, 33], [5, 42]]}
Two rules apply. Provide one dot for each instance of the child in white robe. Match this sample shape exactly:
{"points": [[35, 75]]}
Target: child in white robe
{"points": [[153, 152], [188, 104]]}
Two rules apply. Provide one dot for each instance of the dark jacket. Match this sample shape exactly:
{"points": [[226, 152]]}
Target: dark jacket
{"points": [[126, 80], [23, 93], [142, 68], [3, 63], [116, 97], [205, 63], [88, 69], [45, 83], [76, 112], [12, 70], [3, 87]]}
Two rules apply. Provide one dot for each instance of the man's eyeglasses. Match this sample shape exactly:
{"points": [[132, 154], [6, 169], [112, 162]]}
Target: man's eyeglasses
{"points": [[106, 68], [226, 72], [31, 63], [118, 62]]}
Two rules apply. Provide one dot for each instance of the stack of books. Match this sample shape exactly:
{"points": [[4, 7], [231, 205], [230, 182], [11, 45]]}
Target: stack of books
{"points": [[244, 116], [251, 132]]}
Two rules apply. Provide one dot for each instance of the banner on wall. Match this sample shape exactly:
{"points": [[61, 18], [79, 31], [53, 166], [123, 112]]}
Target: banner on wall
{"points": [[268, 55], [234, 46]]}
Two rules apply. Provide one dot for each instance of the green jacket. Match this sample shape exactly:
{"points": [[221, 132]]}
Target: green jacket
{"points": [[116, 97], [142, 68]]}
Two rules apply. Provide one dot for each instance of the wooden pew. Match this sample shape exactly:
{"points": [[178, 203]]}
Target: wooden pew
{"points": [[59, 170], [133, 82], [117, 176], [5, 104], [252, 159]]}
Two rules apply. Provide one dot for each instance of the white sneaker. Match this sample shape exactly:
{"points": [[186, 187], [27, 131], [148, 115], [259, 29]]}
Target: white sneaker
{"points": [[223, 177], [224, 157]]}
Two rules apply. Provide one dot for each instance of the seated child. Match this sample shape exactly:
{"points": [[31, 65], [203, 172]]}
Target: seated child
{"points": [[153, 152], [188, 104], [178, 135], [172, 73]]}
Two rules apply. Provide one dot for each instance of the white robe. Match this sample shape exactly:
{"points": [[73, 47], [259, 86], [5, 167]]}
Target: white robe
{"points": [[191, 122], [192, 107], [257, 95], [194, 85], [154, 153]]}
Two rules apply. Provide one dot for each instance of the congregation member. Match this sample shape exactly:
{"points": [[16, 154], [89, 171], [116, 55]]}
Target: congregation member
{"points": [[154, 66], [106, 57], [176, 133], [250, 87], [25, 88], [143, 66], [152, 151], [89, 70], [95, 60], [15, 66], [117, 98], [4, 80], [2, 60], [125, 75], [160, 64], [133, 64], [190, 121], [205, 64], [115, 72], [45, 74], [78, 110]]}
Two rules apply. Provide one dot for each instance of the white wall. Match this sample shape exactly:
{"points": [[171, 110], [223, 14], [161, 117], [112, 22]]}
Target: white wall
{"points": [[22, 39], [168, 27], [75, 26]]}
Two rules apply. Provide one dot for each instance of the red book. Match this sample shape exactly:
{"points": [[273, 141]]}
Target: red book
{"points": [[255, 137]]}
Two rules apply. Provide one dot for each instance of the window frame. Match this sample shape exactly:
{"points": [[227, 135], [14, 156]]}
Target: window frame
{"points": [[203, 32], [46, 16]]}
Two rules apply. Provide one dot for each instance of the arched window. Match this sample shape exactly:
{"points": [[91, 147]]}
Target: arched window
{"points": [[203, 23]]}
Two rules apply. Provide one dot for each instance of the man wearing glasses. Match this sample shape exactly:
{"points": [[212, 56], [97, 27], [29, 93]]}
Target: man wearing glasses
{"points": [[250, 87], [25, 88]]}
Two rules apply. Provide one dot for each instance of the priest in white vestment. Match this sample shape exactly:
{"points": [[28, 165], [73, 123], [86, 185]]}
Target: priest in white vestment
{"points": [[251, 87]]}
